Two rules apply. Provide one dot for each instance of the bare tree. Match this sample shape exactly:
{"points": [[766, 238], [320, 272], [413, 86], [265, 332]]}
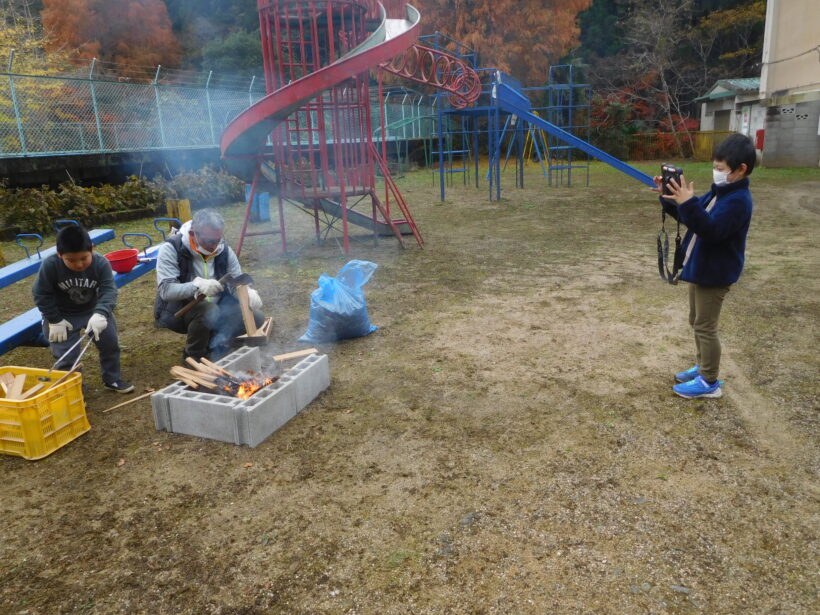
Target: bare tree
{"points": [[656, 36]]}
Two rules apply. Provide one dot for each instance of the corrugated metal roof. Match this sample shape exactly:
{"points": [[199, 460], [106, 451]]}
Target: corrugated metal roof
{"points": [[725, 88], [746, 84]]}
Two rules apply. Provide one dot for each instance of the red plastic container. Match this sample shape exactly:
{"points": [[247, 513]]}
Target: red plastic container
{"points": [[123, 261]]}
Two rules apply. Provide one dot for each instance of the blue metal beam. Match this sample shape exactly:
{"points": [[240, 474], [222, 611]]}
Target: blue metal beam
{"points": [[29, 266], [26, 328]]}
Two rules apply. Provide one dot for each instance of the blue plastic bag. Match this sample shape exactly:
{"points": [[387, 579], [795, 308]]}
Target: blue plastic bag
{"points": [[337, 308]]}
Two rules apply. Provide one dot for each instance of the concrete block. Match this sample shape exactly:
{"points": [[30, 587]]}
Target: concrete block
{"points": [[241, 421], [204, 415], [160, 405], [243, 359], [310, 376], [259, 418]]}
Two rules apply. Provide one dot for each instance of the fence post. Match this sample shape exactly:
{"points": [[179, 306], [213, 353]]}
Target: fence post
{"points": [[250, 87], [384, 123], [20, 132], [94, 103], [208, 103], [159, 108]]}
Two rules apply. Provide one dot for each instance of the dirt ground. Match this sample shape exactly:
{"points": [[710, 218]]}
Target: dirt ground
{"points": [[506, 443]]}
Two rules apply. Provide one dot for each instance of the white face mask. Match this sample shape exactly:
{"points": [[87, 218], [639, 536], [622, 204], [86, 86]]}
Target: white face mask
{"points": [[719, 177]]}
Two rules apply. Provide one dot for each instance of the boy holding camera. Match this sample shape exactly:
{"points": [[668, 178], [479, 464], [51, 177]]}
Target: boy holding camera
{"points": [[714, 251]]}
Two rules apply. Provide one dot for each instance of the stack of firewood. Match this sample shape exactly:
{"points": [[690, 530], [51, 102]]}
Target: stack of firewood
{"points": [[12, 386], [207, 375]]}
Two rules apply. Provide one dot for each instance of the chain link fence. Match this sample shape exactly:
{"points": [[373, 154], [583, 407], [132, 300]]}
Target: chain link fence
{"points": [[42, 115]]}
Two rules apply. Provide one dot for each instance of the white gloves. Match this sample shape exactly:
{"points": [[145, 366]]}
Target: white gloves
{"points": [[209, 288], [254, 300], [59, 332], [96, 325]]}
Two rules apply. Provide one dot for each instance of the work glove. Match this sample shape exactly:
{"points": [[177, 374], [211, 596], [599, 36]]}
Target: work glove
{"points": [[207, 287], [96, 325], [59, 332], [254, 300]]}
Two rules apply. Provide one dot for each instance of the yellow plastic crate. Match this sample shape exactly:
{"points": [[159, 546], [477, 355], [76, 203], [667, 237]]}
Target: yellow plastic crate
{"points": [[36, 427]]}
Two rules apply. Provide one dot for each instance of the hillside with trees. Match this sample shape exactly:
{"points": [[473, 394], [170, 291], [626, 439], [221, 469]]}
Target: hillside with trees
{"points": [[645, 59]]}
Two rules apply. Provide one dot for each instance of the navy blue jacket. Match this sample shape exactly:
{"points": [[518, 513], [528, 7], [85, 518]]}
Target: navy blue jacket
{"points": [[719, 251]]}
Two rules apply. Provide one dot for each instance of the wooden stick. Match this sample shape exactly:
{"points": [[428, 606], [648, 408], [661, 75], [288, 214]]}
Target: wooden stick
{"points": [[16, 388], [295, 355], [7, 378], [216, 367], [200, 379], [66, 375], [247, 312], [130, 401], [5, 388], [199, 298], [32, 390], [197, 374], [201, 367], [184, 378]]}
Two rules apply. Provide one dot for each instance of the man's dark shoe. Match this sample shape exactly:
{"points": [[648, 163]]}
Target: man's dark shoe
{"points": [[120, 386]]}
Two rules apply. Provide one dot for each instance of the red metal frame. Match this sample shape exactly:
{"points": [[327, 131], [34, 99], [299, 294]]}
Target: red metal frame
{"points": [[317, 109]]}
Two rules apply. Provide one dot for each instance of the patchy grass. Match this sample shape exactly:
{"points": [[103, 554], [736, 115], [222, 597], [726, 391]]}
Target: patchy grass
{"points": [[507, 442]]}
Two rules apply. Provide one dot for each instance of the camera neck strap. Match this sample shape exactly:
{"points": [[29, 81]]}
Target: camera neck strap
{"points": [[670, 276]]}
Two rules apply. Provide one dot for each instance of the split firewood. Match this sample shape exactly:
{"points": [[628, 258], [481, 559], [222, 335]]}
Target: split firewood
{"points": [[183, 378], [295, 355], [187, 375], [32, 390], [5, 388], [216, 367], [201, 367], [7, 378], [16, 388], [192, 373]]}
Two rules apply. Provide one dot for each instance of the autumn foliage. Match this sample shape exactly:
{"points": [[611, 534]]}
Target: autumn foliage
{"points": [[136, 32], [522, 38]]}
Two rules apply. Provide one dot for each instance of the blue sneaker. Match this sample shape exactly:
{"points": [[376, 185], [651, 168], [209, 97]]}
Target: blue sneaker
{"points": [[689, 374], [698, 387]]}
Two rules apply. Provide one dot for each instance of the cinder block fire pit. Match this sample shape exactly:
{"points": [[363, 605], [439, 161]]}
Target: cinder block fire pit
{"points": [[250, 421]]}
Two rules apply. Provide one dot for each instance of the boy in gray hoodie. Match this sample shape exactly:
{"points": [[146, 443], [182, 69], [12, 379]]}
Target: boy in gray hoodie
{"points": [[75, 292]]}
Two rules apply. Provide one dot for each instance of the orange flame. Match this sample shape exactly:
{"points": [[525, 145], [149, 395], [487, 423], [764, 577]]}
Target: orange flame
{"points": [[249, 387]]}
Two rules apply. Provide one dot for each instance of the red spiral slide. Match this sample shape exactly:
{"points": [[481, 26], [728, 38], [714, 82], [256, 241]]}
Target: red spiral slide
{"points": [[321, 156]]}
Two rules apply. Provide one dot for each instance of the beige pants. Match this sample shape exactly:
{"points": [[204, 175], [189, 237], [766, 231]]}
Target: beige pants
{"points": [[704, 312]]}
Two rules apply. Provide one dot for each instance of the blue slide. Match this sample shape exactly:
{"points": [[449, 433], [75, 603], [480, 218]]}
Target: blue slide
{"points": [[508, 96]]}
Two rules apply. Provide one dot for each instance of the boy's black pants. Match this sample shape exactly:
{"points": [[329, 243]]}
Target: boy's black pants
{"points": [[108, 346]]}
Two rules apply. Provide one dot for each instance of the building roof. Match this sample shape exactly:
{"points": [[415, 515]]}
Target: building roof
{"points": [[726, 88]]}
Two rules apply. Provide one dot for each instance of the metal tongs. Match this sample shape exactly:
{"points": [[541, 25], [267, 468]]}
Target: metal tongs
{"points": [[68, 352]]}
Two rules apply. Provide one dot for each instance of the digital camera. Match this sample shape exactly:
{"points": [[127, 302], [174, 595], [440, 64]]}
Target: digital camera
{"points": [[668, 171]]}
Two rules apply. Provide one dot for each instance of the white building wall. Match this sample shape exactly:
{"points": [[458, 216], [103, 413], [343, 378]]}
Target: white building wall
{"points": [[790, 83]]}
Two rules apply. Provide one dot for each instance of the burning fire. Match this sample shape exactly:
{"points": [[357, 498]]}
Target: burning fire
{"points": [[246, 388]]}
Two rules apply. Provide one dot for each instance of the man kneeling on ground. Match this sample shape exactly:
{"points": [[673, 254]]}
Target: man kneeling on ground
{"points": [[190, 263]]}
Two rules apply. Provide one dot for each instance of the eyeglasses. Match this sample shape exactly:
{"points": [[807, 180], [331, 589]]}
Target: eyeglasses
{"points": [[209, 243]]}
